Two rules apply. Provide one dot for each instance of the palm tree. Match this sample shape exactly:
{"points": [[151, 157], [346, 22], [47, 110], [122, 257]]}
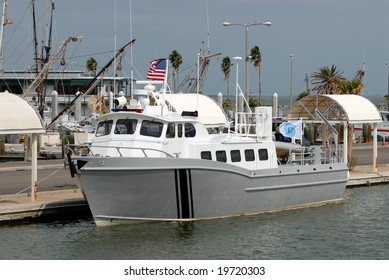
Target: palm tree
{"points": [[327, 80], [387, 99], [91, 65], [302, 95], [353, 86], [256, 59], [175, 59], [226, 68], [96, 104]]}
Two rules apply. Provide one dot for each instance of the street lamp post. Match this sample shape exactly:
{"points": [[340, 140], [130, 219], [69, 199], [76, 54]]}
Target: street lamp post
{"points": [[237, 58], [291, 78], [246, 26], [387, 64]]}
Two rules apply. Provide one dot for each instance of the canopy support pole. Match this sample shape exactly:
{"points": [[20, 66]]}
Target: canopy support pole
{"points": [[375, 148], [34, 167], [345, 141]]}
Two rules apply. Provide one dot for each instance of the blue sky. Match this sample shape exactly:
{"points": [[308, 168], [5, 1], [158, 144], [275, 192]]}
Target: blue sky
{"points": [[346, 33]]}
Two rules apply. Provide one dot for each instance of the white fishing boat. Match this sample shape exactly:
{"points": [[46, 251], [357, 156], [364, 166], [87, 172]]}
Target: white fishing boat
{"points": [[151, 162], [382, 128]]}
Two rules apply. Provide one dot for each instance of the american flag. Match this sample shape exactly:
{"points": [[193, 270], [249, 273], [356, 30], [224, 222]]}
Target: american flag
{"points": [[157, 70]]}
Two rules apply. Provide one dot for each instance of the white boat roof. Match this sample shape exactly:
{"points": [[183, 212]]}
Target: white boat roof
{"points": [[17, 116], [337, 107], [209, 112]]}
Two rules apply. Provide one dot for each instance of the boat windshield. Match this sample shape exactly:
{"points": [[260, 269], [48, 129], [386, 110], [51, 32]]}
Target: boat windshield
{"points": [[125, 126], [104, 128], [151, 128]]}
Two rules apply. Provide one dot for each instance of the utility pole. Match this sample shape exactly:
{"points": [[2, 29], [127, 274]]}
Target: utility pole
{"points": [[291, 78]]}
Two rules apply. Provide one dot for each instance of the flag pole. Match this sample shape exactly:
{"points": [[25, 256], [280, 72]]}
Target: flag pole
{"points": [[165, 81], [301, 134]]}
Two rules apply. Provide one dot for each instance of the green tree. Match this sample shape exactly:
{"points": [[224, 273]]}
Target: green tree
{"points": [[228, 104], [226, 68], [326, 81], [256, 59], [253, 102], [175, 59], [91, 65], [353, 86], [302, 95], [387, 99]]}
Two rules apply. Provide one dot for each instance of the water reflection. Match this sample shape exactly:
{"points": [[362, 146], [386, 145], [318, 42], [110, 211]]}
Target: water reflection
{"points": [[357, 228], [185, 230]]}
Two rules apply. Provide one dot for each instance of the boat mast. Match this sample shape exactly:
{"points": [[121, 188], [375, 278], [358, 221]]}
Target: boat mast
{"points": [[44, 59], [35, 36], [48, 47], [189, 84], [4, 22], [1, 34]]}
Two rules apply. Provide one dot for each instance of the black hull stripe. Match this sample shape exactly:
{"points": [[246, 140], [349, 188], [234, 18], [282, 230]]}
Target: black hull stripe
{"points": [[190, 193], [177, 194], [184, 194]]}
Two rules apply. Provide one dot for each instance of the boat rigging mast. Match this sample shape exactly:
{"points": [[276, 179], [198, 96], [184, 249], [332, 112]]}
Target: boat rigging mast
{"points": [[189, 84], [43, 59], [119, 54], [48, 46], [4, 22], [41, 75], [35, 37]]}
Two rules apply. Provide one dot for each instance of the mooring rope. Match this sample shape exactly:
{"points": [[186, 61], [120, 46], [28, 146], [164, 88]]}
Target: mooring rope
{"points": [[29, 187]]}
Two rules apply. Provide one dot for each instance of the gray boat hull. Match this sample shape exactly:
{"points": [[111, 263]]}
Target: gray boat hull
{"points": [[120, 190]]}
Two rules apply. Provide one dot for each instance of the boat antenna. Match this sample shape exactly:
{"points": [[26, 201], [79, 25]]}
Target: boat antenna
{"points": [[208, 33], [198, 81], [114, 61], [131, 58]]}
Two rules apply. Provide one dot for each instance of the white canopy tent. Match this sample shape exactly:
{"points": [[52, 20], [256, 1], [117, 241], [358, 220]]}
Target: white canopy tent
{"points": [[210, 113], [345, 108], [18, 117]]}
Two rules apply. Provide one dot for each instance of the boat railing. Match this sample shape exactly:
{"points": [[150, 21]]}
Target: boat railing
{"points": [[257, 124], [311, 155], [86, 150]]}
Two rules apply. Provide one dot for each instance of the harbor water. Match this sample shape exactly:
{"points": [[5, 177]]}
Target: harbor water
{"points": [[357, 228]]}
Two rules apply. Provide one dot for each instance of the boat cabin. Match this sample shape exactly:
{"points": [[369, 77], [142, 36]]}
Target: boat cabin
{"points": [[132, 134]]}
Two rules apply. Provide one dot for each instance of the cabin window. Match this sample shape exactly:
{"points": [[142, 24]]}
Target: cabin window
{"points": [[263, 154], [249, 155], [171, 130], [235, 155], [104, 128], [206, 155], [179, 130], [190, 130], [221, 156], [151, 128], [125, 126]]}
